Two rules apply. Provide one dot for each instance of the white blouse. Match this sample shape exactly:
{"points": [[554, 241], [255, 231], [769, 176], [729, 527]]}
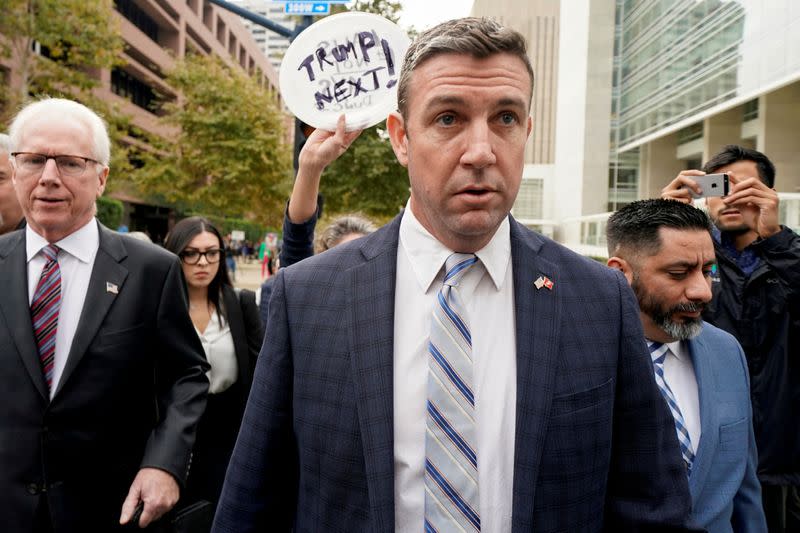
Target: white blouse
{"points": [[220, 353]]}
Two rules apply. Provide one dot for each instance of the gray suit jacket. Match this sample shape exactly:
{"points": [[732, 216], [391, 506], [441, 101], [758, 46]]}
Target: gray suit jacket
{"points": [[130, 396], [595, 445]]}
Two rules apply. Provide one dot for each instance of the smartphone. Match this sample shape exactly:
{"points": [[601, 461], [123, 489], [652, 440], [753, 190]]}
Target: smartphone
{"points": [[712, 185]]}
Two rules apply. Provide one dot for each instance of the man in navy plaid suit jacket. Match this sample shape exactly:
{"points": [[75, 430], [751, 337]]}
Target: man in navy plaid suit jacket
{"points": [[583, 440]]}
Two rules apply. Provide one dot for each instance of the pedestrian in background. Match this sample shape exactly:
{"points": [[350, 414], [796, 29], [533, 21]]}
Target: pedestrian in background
{"points": [[10, 211], [665, 251], [305, 206], [757, 299], [226, 321]]}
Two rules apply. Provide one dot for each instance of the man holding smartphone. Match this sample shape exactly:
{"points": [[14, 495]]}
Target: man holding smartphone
{"points": [[756, 290]]}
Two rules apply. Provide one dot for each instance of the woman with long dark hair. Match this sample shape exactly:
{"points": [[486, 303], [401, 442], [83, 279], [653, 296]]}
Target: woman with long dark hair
{"points": [[228, 325]]}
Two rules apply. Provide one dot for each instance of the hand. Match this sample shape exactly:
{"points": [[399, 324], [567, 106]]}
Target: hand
{"points": [[157, 489], [679, 188], [750, 193], [324, 147], [321, 149]]}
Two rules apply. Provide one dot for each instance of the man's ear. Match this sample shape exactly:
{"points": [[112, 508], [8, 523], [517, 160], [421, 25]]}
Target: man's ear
{"points": [[399, 137], [622, 265]]}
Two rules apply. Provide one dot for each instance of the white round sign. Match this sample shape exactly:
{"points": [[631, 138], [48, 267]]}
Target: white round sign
{"points": [[347, 63]]}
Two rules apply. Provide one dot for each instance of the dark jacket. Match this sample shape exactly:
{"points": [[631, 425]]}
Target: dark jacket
{"points": [[298, 244], [763, 312], [219, 425], [130, 396]]}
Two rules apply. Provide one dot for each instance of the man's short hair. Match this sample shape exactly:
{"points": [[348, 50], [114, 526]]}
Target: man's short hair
{"points": [[5, 143], [476, 37], [59, 109], [733, 153], [635, 228]]}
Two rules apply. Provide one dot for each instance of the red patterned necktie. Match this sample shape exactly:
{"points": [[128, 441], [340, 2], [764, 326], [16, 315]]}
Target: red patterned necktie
{"points": [[44, 311]]}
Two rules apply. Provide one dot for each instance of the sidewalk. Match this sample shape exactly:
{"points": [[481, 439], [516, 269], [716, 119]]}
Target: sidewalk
{"points": [[248, 276]]}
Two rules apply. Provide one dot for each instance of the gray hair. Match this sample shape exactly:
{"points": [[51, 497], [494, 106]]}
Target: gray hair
{"points": [[473, 36], [5, 143], [340, 228], [55, 109]]}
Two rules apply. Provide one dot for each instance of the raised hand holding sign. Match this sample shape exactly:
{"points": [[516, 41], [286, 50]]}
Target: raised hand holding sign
{"points": [[344, 64]]}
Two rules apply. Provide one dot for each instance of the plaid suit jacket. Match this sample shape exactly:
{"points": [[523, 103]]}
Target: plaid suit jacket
{"points": [[595, 446]]}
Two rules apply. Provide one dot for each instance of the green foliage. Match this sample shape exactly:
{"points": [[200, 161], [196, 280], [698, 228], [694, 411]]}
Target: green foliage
{"points": [[385, 8], [74, 37], [109, 212], [367, 179], [230, 153], [252, 230]]}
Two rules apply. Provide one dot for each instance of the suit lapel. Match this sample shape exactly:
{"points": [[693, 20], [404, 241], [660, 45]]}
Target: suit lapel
{"points": [[537, 325], [99, 297], [371, 338], [709, 421], [233, 308], [14, 306]]}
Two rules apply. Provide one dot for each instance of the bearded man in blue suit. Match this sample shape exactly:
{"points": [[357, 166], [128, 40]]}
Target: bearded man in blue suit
{"points": [[664, 249], [510, 390]]}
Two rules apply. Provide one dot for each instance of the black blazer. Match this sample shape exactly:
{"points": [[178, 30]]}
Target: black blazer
{"points": [[130, 396], [246, 331], [219, 425]]}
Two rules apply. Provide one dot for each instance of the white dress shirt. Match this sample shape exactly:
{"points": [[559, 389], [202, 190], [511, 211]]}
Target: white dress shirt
{"points": [[679, 375], [76, 261], [221, 355], [488, 292]]}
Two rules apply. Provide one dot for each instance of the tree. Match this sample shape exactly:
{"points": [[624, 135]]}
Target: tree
{"points": [[55, 46], [368, 178], [230, 155]]}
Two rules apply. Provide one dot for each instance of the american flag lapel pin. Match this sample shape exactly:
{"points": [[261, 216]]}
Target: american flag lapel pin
{"points": [[543, 281], [112, 288]]}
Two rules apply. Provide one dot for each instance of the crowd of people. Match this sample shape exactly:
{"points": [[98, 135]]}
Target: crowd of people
{"points": [[449, 371]]}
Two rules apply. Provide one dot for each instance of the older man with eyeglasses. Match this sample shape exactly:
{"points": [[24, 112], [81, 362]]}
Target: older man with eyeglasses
{"points": [[102, 377]]}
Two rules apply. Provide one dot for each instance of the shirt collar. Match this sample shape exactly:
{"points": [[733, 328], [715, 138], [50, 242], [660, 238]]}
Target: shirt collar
{"points": [[81, 244], [427, 255], [678, 349]]}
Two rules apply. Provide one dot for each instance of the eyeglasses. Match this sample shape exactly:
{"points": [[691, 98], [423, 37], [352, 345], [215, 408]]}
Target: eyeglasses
{"points": [[68, 165], [192, 257]]}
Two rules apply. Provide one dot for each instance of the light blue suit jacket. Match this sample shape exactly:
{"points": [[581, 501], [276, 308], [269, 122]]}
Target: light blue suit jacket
{"points": [[726, 495]]}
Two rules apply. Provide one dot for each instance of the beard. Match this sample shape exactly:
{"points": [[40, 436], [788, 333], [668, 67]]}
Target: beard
{"points": [[662, 316]]}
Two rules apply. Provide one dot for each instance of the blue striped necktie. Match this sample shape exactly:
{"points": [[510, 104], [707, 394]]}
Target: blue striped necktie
{"points": [[451, 461], [658, 352]]}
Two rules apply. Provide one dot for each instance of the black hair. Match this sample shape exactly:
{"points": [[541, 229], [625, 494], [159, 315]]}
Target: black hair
{"points": [[179, 238], [636, 226], [733, 153]]}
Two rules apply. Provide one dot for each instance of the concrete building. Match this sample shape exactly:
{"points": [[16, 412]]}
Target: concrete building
{"points": [[271, 44], [695, 76], [647, 88], [538, 21], [156, 34]]}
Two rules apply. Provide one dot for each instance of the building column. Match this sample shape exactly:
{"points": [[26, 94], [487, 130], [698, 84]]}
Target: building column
{"points": [[722, 129], [781, 136], [658, 165]]}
